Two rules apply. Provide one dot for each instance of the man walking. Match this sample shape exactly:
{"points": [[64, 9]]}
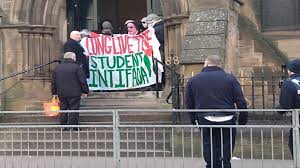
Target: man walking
{"points": [[213, 88], [69, 84], [73, 45], [290, 92]]}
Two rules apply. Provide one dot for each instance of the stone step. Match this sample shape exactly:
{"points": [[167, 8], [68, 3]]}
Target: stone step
{"points": [[92, 118], [123, 95], [252, 54], [105, 101], [121, 102], [32, 141], [246, 49], [99, 104], [253, 60], [243, 43]]}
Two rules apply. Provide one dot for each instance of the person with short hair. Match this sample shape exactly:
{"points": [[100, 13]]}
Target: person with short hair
{"points": [[213, 88], [107, 28], [290, 92], [85, 33], [73, 45], [69, 84]]}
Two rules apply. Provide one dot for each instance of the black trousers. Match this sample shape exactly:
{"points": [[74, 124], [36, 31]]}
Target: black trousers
{"points": [[291, 142], [221, 151], [69, 103]]}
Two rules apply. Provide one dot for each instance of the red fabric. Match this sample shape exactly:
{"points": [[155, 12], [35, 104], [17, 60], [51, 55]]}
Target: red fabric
{"points": [[94, 35]]}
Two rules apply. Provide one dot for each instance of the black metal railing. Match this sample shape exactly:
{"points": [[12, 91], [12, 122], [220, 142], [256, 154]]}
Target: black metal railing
{"points": [[28, 70], [261, 90], [175, 84]]}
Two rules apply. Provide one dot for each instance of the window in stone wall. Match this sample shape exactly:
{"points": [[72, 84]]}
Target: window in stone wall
{"points": [[154, 6], [280, 14]]}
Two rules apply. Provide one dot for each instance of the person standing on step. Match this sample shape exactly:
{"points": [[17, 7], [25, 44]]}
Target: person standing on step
{"points": [[290, 93], [213, 88], [69, 84], [73, 45]]}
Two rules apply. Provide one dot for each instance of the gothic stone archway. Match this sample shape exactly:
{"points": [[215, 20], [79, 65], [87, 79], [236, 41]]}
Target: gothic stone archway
{"points": [[36, 30]]}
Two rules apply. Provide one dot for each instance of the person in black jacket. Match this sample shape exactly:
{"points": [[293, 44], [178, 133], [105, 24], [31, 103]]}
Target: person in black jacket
{"points": [[213, 88], [69, 84], [73, 45], [290, 92]]}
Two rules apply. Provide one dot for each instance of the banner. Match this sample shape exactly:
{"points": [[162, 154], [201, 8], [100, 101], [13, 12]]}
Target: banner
{"points": [[123, 61]]}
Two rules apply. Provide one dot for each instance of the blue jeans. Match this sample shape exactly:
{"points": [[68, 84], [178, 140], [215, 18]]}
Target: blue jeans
{"points": [[212, 140]]}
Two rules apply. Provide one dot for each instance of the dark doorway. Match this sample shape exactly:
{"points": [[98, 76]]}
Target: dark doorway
{"points": [[89, 14]]}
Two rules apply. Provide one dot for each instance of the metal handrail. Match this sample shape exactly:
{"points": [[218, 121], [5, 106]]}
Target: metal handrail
{"points": [[24, 71], [175, 82], [239, 2]]}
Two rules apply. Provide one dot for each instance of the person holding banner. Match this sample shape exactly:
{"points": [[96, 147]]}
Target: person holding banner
{"points": [[73, 45], [144, 23], [158, 24], [69, 84], [132, 27]]}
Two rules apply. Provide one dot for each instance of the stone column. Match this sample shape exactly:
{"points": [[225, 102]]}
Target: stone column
{"points": [[212, 29], [231, 60], [46, 50], [25, 50], [31, 51], [36, 53]]}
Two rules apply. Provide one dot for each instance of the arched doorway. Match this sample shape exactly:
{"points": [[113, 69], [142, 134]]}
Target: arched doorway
{"points": [[89, 14]]}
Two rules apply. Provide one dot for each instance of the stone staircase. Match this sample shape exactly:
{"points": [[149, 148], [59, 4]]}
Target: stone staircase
{"points": [[248, 57], [25, 134], [88, 142], [103, 101]]}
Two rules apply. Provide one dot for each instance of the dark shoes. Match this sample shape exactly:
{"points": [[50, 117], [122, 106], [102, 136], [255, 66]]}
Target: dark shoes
{"points": [[66, 129], [72, 129], [75, 129]]}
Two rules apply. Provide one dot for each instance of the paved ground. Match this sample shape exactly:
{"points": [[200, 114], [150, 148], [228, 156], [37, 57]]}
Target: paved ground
{"points": [[92, 162]]}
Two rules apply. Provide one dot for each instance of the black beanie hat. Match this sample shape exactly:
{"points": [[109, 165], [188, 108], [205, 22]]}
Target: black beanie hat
{"points": [[294, 66]]}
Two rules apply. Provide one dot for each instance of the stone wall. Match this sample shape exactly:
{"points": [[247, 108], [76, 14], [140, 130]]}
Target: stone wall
{"points": [[5, 6], [212, 28], [252, 10], [205, 35], [194, 30], [32, 33]]}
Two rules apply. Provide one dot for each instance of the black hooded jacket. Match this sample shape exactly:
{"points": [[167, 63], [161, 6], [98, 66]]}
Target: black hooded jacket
{"points": [[75, 47], [68, 80]]}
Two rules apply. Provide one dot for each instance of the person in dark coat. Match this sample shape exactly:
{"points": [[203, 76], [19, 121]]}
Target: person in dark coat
{"points": [[69, 84], [290, 92], [213, 88], [73, 45]]}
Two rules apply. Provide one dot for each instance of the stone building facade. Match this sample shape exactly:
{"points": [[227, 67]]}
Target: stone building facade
{"points": [[32, 33]]}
